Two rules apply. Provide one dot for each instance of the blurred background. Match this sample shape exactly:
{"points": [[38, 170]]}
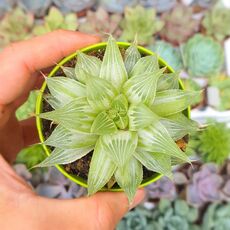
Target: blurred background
{"points": [[193, 36]]}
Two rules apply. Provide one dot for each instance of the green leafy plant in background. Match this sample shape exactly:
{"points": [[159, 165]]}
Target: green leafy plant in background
{"points": [[100, 22], [159, 5], [213, 143], [32, 155], [116, 6], [169, 53], [141, 22], [217, 21], [177, 215], [28, 108], [179, 25], [217, 217], [203, 57], [67, 6], [38, 7], [15, 26], [115, 107], [56, 20]]}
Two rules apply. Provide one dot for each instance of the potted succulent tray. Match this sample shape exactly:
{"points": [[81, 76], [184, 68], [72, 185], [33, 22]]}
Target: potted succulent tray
{"points": [[114, 116]]}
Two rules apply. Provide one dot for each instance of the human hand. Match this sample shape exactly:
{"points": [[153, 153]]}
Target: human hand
{"points": [[20, 207]]}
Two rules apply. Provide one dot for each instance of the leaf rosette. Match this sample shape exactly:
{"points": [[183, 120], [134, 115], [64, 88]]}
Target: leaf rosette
{"points": [[125, 108]]}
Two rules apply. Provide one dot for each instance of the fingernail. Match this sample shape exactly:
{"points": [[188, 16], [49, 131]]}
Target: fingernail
{"points": [[139, 197]]}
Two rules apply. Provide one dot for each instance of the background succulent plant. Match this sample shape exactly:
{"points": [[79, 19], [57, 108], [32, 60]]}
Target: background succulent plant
{"points": [[67, 6], [116, 6], [169, 53], [159, 5], [100, 22], [203, 57], [38, 7], [205, 186], [177, 30], [176, 215], [216, 22], [141, 22], [217, 217], [56, 20], [15, 26], [213, 143], [115, 107]]}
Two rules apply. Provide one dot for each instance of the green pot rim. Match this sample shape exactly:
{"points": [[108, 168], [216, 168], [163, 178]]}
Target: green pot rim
{"points": [[98, 46]]}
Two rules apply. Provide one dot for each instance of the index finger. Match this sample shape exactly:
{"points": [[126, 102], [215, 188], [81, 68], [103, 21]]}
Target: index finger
{"points": [[20, 60]]}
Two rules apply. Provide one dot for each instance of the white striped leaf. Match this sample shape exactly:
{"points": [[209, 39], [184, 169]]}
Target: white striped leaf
{"points": [[140, 116], [173, 101], [87, 65], [113, 67], [178, 125], [77, 115], [120, 104], [142, 88], [121, 121], [54, 102], [132, 55], [120, 146], [69, 72], [103, 124], [99, 93], [65, 89], [64, 156], [156, 139], [129, 177], [101, 169], [156, 162], [66, 139], [144, 65], [168, 81]]}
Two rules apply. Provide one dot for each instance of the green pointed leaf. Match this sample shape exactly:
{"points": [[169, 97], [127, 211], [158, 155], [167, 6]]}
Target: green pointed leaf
{"points": [[132, 55], [66, 139], [145, 65], [54, 102], [99, 93], [168, 81], [77, 115], [156, 139], [103, 124], [129, 177], [101, 169], [120, 104], [69, 72], [173, 101], [64, 156], [87, 64], [113, 67], [120, 146], [142, 88], [140, 116], [156, 162], [65, 89], [122, 121], [178, 125]]}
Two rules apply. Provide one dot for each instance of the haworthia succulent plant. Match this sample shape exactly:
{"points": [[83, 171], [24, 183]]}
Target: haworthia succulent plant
{"points": [[117, 110]]}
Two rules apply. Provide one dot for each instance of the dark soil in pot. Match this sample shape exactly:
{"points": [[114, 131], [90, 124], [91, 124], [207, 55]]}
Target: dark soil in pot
{"points": [[81, 167]]}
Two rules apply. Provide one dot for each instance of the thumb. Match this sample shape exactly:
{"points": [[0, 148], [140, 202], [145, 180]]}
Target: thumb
{"points": [[101, 211]]}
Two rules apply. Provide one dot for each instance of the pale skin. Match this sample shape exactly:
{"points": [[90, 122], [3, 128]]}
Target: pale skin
{"points": [[20, 207]]}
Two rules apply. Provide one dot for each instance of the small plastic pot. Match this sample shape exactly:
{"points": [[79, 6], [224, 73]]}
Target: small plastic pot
{"points": [[39, 104]]}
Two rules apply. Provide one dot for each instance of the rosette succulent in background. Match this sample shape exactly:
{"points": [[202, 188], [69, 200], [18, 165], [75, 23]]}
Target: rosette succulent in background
{"points": [[179, 25], [203, 57]]}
